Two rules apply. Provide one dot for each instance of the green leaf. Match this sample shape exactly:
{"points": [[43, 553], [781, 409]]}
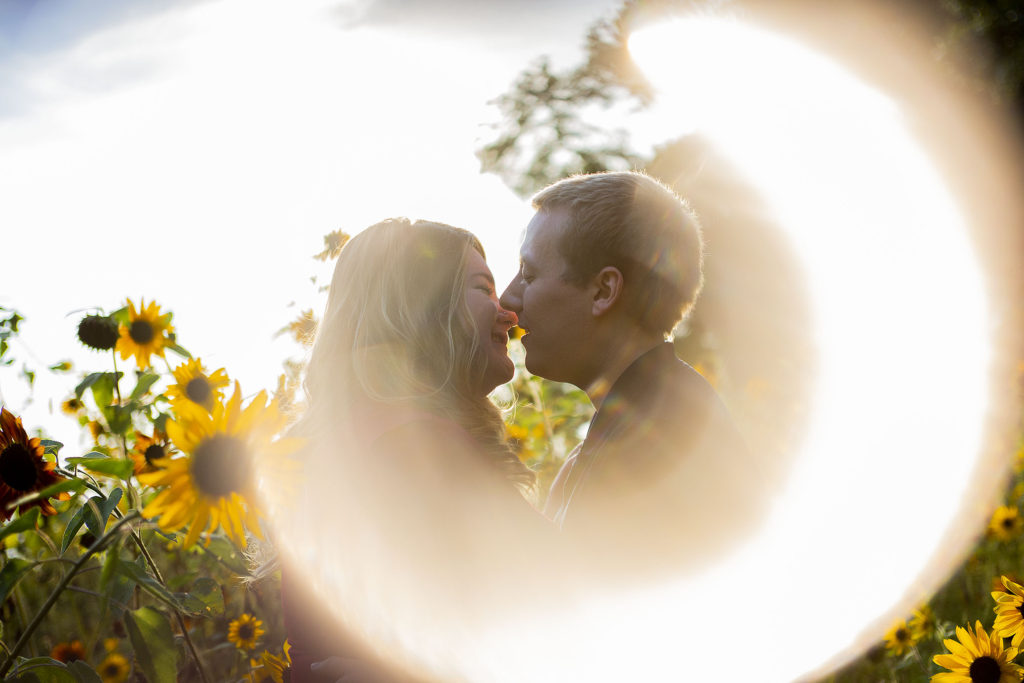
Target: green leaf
{"points": [[113, 467], [60, 487], [89, 380], [146, 380], [50, 491], [13, 570], [177, 349], [137, 572], [228, 555], [151, 637], [206, 598], [24, 522], [160, 422], [43, 670], [50, 446], [71, 530], [84, 673], [109, 570], [121, 315], [119, 418], [98, 509], [103, 389]]}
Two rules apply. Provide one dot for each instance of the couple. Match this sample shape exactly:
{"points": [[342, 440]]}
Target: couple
{"points": [[430, 523]]}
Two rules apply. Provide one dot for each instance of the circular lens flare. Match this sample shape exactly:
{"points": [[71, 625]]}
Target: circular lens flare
{"points": [[903, 344]]}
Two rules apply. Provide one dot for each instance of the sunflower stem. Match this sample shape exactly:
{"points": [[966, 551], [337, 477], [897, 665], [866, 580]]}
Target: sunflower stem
{"points": [[65, 580], [133, 498], [177, 614]]}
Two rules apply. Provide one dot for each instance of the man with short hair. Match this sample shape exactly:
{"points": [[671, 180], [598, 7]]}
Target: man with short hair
{"points": [[609, 265]]}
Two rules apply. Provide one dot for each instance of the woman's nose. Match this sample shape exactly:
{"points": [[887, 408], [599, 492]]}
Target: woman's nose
{"points": [[505, 315]]}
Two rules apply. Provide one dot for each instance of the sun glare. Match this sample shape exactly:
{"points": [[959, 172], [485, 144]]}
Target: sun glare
{"points": [[900, 317], [901, 329]]}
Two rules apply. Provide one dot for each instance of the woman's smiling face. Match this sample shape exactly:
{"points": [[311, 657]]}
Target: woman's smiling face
{"points": [[491, 323]]}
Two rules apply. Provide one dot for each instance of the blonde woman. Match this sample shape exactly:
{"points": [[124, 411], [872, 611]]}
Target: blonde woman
{"points": [[409, 453]]}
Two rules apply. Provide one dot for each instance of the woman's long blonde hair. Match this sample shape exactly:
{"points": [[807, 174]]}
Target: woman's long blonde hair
{"points": [[397, 330]]}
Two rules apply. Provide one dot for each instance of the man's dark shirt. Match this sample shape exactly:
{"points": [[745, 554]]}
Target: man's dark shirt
{"points": [[662, 481]]}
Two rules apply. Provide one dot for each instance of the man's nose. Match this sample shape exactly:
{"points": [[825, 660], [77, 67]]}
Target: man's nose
{"points": [[511, 298]]}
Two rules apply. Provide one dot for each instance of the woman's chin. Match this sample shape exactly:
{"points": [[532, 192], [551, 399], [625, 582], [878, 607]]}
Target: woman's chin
{"points": [[499, 371]]}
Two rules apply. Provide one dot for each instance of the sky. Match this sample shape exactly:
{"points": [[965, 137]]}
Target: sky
{"points": [[195, 153]]}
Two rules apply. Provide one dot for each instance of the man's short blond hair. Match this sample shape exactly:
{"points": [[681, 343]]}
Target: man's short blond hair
{"points": [[633, 222]]}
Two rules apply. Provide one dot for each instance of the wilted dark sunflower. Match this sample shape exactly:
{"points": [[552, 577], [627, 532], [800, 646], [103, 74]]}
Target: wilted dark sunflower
{"points": [[98, 332], [22, 468]]}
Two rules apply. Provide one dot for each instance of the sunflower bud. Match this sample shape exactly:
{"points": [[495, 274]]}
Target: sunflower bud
{"points": [[98, 332]]}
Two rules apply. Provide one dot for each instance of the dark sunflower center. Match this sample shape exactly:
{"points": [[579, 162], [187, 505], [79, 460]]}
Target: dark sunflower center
{"points": [[245, 631], [984, 670], [154, 452], [220, 466], [198, 389], [18, 467], [902, 635], [1008, 523], [111, 669], [98, 332], [141, 332]]}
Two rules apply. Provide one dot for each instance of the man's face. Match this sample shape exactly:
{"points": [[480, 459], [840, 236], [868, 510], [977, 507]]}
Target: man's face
{"points": [[554, 314]]}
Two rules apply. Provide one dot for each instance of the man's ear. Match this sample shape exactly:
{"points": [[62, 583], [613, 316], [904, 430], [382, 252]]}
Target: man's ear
{"points": [[607, 285]]}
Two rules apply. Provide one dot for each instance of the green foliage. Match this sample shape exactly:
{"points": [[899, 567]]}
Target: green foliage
{"points": [[545, 133], [153, 643], [95, 571]]}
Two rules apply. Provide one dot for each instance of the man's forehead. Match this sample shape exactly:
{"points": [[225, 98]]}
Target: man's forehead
{"points": [[541, 233]]}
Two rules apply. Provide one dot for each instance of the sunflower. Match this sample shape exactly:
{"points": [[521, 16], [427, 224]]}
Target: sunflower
{"points": [[149, 449], [145, 334], [1006, 523], [899, 638], [197, 386], [72, 406], [1009, 611], [333, 242], [114, 669], [214, 485], [922, 622], [22, 468], [303, 328], [68, 652], [98, 332], [977, 658], [271, 668], [244, 631]]}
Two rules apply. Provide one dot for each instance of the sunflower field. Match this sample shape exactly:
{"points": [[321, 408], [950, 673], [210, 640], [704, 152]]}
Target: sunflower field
{"points": [[145, 557]]}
